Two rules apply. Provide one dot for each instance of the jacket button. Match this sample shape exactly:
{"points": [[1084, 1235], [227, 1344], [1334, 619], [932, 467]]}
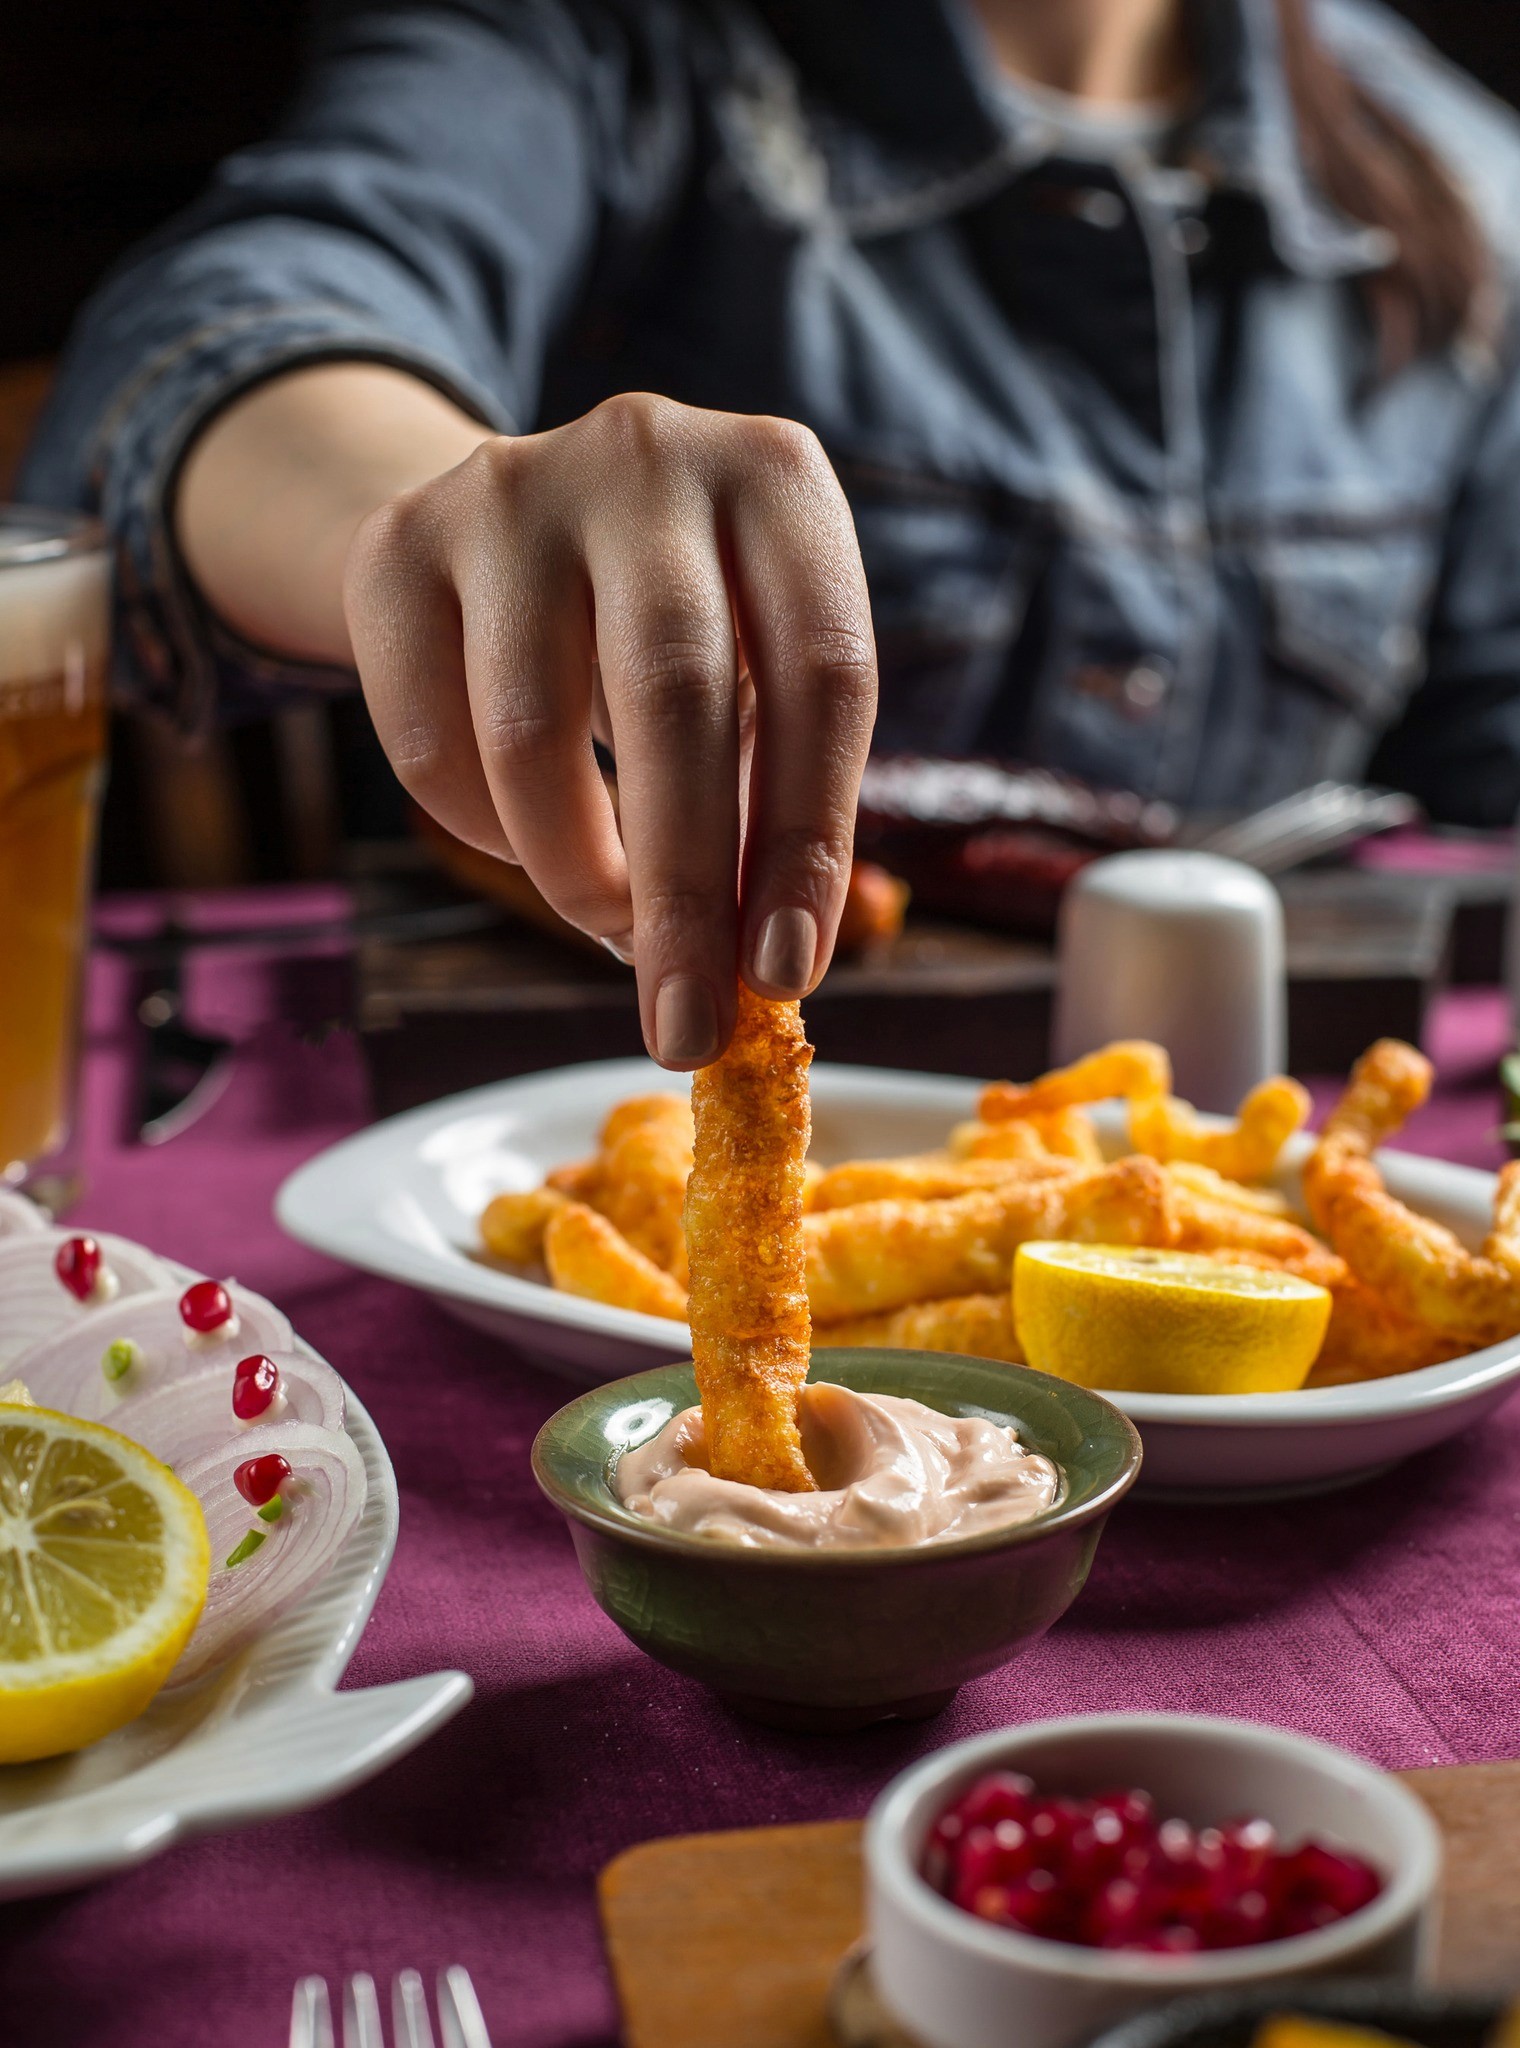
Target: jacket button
{"points": [[1190, 235], [1144, 688], [1400, 647], [1098, 208]]}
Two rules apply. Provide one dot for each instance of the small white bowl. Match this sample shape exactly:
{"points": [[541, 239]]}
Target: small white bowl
{"points": [[958, 1982]]}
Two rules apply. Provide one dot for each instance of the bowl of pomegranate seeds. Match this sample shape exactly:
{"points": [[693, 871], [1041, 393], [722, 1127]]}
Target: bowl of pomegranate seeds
{"points": [[1030, 1886]]}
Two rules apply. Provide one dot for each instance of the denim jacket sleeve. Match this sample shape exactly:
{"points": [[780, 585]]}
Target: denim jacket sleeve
{"points": [[434, 200], [1457, 746]]}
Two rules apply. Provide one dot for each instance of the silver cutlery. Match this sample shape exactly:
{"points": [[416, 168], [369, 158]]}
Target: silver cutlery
{"points": [[1306, 826], [460, 2024]]}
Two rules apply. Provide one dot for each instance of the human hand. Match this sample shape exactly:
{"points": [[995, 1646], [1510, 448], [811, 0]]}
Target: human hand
{"points": [[686, 586]]}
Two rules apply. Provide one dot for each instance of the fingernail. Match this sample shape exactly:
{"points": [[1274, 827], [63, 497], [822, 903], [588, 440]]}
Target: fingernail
{"points": [[620, 949], [786, 949], [685, 1021]]}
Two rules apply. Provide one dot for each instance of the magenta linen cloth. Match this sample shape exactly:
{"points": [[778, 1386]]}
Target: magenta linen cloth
{"points": [[1385, 1618]]}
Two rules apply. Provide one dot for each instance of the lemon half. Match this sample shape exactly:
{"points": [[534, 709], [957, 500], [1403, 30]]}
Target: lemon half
{"points": [[1156, 1322], [104, 1562]]}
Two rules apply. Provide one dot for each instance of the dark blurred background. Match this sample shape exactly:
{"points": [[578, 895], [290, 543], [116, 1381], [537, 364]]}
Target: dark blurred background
{"points": [[113, 112]]}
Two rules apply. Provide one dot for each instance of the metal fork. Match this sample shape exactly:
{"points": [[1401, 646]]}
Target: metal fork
{"points": [[459, 2017]]}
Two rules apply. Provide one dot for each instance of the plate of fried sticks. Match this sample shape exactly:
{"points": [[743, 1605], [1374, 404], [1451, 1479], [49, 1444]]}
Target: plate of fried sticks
{"points": [[547, 1210]]}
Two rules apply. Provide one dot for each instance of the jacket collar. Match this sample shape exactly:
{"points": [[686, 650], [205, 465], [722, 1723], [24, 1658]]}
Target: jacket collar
{"points": [[902, 104]]}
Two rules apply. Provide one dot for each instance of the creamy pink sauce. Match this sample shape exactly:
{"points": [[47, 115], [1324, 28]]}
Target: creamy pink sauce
{"points": [[891, 1473]]}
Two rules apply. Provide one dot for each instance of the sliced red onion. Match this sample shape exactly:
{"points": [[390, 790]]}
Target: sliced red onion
{"points": [[18, 1216], [67, 1370], [323, 1500], [34, 1303], [191, 1418]]}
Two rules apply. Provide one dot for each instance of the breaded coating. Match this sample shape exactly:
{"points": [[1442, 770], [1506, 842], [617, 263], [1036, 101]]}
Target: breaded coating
{"points": [[1130, 1202], [1130, 1067], [512, 1225], [750, 1327], [1166, 1129], [588, 1255], [975, 1325]]}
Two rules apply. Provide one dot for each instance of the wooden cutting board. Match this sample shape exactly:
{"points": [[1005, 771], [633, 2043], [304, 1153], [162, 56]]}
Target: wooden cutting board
{"points": [[732, 1940], [1366, 952]]}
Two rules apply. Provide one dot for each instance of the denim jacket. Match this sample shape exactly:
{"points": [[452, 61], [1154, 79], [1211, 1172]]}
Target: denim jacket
{"points": [[1130, 498]]}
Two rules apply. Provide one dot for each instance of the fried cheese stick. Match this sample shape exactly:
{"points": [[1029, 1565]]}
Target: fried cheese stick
{"points": [[924, 1177], [588, 1255], [1131, 1067], [1063, 1133], [1421, 1270], [886, 1255], [641, 1176], [512, 1225], [1167, 1129], [976, 1325], [750, 1328], [1368, 1340]]}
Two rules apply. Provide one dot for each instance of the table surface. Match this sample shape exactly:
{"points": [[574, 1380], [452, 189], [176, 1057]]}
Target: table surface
{"points": [[1384, 1618]]}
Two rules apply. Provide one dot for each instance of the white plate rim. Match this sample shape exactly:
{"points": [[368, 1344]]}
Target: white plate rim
{"points": [[306, 1209]]}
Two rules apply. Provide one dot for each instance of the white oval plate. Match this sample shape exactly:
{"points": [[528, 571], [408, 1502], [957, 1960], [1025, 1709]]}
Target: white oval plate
{"points": [[265, 1734], [403, 1198]]}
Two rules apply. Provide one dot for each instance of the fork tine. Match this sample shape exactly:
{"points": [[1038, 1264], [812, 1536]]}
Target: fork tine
{"points": [[361, 2013], [311, 2015], [409, 2013], [459, 2015]]}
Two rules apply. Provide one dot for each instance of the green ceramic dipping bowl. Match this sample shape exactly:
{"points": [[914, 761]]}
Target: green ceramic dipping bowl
{"points": [[837, 1639]]}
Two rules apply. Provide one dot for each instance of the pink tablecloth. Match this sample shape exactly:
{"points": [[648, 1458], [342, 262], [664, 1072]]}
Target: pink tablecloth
{"points": [[1385, 1618]]}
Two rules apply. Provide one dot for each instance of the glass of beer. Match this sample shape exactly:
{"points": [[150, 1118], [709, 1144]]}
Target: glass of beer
{"points": [[55, 581]]}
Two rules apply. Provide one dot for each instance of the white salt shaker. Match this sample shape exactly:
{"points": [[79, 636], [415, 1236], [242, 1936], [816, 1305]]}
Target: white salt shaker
{"points": [[1182, 948]]}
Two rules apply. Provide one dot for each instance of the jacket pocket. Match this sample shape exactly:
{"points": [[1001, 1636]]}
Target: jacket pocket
{"points": [[1349, 616]]}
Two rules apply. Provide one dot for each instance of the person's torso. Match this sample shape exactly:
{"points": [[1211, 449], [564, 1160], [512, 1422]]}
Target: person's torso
{"points": [[1130, 500]]}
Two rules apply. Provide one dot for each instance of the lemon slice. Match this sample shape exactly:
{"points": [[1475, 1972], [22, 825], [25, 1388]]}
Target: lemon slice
{"points": [[103, 1569], [1156, 1322]]}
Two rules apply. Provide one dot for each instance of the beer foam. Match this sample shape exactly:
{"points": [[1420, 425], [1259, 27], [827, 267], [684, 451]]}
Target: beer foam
{"points": [[55, 617]]}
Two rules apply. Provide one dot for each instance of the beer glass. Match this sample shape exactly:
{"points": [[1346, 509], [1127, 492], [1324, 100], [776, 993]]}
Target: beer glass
{"points": [[54, 634]]}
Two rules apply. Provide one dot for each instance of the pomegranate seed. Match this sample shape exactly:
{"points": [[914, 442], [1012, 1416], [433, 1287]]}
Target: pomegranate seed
{"points": [[1037, 1905], [1135, 1812], [1052, 1824], [1000, 1795], [1239, 1922], [1176, 1841], [77, 1264], [205, 1307], [975, 1866], [1314, 1876], [258, 1480], [1117, 1916], [1015, 1851], [255, 1382], [1249, 1852], [1088, 1861]]}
